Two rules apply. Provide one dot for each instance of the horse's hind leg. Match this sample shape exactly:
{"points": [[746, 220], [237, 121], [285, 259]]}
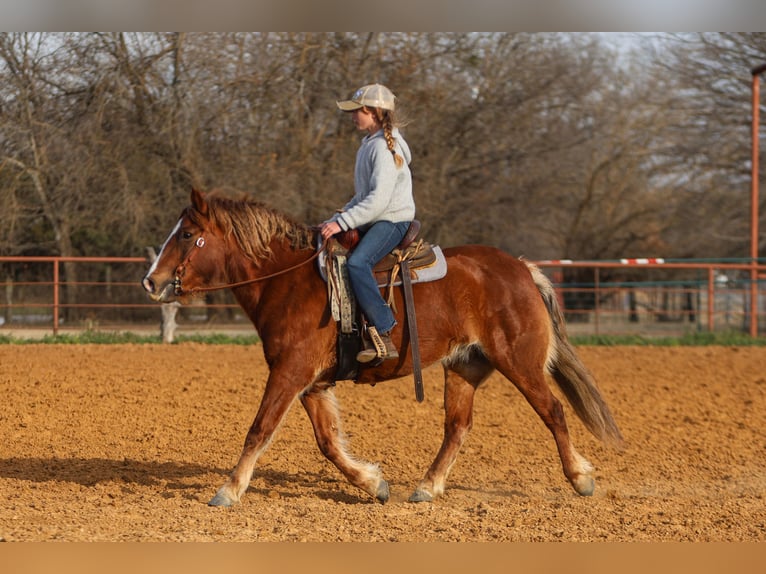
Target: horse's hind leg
{"points": [[322, 408], [530, 377], [462, 377]]}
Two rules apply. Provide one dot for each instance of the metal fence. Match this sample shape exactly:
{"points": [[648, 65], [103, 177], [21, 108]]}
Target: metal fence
{"points": [[655, 297], [649, 297]]}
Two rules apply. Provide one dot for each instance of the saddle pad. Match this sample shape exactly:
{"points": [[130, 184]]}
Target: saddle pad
{"points": [[422, 275]]}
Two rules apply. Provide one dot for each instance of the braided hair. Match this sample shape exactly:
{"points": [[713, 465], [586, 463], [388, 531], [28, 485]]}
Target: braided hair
{"points": [[386, 119]]}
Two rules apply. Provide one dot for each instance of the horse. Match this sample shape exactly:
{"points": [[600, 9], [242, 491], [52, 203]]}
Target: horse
{"points": [[491, 312]]}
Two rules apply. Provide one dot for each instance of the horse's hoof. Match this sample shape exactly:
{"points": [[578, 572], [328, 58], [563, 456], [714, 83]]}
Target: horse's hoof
{"points": [[421, 495], [383, 493], [221, 499], [584, 485]]}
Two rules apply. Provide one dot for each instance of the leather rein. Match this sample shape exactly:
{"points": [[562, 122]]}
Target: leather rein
{"points": [[199, 244]]}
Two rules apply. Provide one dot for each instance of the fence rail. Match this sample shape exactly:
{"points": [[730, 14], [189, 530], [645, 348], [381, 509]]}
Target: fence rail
{"points": [[649, 297], [654, 296]]}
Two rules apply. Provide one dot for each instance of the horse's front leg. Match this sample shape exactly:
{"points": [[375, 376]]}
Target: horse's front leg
{"points": [[281, 391], [322, 408], [461, 381]]}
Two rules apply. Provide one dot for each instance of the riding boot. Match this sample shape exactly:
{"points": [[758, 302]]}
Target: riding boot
{"points": [[368, 352], [382, 347]]}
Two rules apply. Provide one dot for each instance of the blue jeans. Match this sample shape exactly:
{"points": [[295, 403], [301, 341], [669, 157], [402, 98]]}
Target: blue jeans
{"points": [[377, 242]]}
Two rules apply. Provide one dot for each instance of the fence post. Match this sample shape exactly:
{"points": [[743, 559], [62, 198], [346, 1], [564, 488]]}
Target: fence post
{"points": [[597, 306], [710, 296], [55, 297], [168, 323], [756, 72]]}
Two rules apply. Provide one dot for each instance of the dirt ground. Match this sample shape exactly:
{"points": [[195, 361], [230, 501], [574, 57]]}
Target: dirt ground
{"points": [[129, 442]]}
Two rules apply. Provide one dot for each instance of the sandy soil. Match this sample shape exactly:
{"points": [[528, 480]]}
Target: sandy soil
{"points": [[129, 442]]}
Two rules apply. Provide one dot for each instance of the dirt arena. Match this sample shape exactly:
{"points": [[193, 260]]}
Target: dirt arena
{"points": [[129, 442]]}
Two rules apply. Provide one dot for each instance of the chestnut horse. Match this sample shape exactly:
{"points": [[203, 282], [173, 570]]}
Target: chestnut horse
{"points": [[491, 312]]}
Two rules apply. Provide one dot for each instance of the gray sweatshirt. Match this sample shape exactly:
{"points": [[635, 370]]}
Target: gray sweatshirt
{"points": [[382, 192]]}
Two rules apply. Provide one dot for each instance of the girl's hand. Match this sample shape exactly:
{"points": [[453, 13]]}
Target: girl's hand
{"points": [[329, 229]]}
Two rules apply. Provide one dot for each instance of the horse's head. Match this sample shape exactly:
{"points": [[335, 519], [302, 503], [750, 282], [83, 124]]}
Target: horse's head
{"points": [[191, 257]]}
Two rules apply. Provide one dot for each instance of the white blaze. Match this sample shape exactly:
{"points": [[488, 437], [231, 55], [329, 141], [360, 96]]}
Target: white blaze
{"points": [[153, 268]]}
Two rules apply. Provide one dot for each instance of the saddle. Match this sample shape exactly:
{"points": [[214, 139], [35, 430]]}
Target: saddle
{"points": [[418, 254], [403, 266]]}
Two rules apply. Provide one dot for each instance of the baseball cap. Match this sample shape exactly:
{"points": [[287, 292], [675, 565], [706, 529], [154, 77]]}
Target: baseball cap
{"points": [[371, 95]]}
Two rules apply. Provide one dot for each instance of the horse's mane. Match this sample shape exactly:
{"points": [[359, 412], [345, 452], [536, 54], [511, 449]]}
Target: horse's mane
{"points": [[254, 225]]}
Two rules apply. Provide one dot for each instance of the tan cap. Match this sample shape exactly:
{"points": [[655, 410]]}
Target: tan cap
{"points": [[371, 95]]}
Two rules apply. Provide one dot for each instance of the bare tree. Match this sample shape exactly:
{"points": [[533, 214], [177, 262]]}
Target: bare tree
{"points": [[537, 143], [711, 72]]}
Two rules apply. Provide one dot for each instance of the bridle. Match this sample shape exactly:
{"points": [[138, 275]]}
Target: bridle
{"points": [[199, 244]]}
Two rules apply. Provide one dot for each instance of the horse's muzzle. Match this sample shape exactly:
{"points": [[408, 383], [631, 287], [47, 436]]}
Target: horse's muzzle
{"points": [[164, 295], [148, 285]]}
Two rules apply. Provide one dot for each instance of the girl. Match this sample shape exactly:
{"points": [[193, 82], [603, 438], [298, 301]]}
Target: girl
{"points": [[381, 210]]}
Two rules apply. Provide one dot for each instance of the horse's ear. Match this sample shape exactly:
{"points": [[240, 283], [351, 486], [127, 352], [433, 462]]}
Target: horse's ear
{"points": [[198, 201]]}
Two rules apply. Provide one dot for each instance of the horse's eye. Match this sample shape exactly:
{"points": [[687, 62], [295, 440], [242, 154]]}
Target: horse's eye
{"points": [[186, 235]]}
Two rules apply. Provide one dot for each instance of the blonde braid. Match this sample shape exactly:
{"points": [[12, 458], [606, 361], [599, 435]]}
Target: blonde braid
{"points": [[385, 118]]}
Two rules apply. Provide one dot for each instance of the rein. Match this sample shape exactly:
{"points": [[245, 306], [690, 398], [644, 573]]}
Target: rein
{"points": [[199, 244]]}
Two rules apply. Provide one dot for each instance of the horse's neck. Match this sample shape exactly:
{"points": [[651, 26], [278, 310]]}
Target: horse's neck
{"points": [[286, 283], [284, 262]]}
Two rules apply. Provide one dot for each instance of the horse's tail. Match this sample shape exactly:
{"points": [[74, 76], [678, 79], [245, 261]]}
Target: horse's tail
{"points": [[571, 375]]}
